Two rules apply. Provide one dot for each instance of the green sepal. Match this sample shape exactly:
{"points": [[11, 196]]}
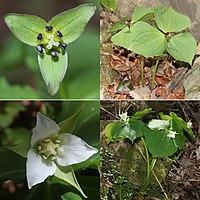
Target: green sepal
{"points": [[71, 23], [21, 149], [53, 70], [69, 124], [25, 27], [68, 177]]}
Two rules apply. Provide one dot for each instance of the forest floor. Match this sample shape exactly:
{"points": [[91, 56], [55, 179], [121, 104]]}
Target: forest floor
{"points": [[183, 179]]}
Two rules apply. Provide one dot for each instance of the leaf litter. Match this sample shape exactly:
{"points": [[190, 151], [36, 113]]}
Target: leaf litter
{"points": [[127, 85]]}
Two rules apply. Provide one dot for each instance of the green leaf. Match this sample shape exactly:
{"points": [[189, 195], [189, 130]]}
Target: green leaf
{"points": [[140, 114], [179, 139], [12, 167], [142, 13], [72, 22], [69, 124], [21, 149], [5, 120], [139, 127], [25, 27], [14, 108], [69, 178], [122, 38], [147, 40], [182, 47], [164, 117], [168, 20], [110, 4], [117, 26], [70, 196], [117, 131], [53, 70], [16, 92], [159, 144], [183, 125]]}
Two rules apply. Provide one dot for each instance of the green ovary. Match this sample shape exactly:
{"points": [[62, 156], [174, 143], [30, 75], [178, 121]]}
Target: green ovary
{"points": [[48, 148]]}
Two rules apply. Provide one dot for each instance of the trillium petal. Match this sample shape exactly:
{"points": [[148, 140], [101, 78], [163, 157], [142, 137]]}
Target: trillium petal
{"points": [[73, 150], [38, 169], [45, 128]]}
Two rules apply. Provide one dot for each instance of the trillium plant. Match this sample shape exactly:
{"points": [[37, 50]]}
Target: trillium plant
{"points": [[53, 150], [51, 39], [161, 137], [153, 32]]}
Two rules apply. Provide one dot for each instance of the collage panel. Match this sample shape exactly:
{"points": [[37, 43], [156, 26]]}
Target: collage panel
{"points": [[49, 49], [49, 150], [149, 150], [150, 49]]}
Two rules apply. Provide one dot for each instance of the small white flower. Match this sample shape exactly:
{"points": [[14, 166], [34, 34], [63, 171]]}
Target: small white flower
{"points": [[172, 134], [51, 42], [48, 149], [124, 117], [189, 124]]}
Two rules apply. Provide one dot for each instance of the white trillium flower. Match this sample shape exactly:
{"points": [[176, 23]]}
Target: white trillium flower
{"points": [[189, 124], [48, 149], [124, 117], [172, 134]]}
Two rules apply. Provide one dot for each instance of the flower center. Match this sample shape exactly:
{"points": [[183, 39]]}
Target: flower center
{"points": [[50, 41], [48, 148]]}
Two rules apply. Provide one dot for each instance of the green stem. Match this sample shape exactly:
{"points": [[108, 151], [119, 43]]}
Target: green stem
{"points": [[142, 70], [154, 74], [153, 162], [148, 168]]}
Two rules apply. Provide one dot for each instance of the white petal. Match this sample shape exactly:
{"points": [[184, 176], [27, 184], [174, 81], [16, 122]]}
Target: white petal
{"points": [[38, 169], [45, 128], [73, 150]]}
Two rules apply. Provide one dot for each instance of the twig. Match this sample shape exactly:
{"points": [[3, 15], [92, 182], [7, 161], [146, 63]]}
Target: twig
{"points": [[109, 113]]}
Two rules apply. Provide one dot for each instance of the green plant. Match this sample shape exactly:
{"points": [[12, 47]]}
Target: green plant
{"points": [[51, 39], [110, 4], [161, 137], [154, 31]]}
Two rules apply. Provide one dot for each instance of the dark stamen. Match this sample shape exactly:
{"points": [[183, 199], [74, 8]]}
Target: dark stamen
{"points": [[40, 36], [40, 48], [48, 28], [63, 46], [54, 53], [59, 34]]}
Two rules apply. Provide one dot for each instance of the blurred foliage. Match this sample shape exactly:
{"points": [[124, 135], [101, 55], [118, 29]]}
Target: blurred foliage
{"points": [[21, 77], [22, 118]]}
